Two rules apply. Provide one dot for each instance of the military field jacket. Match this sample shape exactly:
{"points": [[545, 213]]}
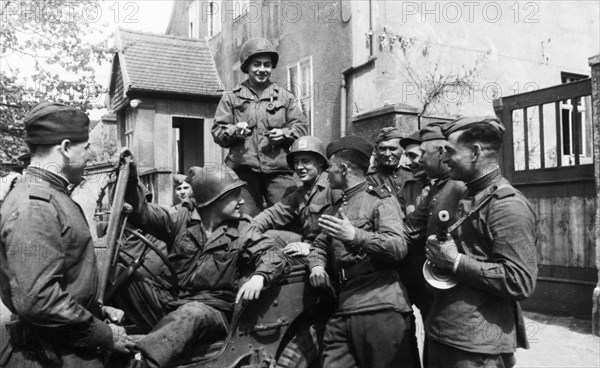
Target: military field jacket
{"points": [[499, 268], [377, 219], [444, 195], [306, 204], [48, 267], [274, 108], [209, 267]]}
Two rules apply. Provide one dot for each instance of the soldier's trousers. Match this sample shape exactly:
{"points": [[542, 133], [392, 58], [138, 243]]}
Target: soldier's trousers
{"points": [[262, 187], [446, 356], [369, 340], [192, 323], [169, 332]]}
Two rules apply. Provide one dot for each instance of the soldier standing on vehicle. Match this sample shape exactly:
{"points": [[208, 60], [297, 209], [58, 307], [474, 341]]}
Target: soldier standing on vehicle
{"points": [[362, 240], [209, 244], [258, 121], [47, 262], [492, 254], [444, 195], [306, 204]]}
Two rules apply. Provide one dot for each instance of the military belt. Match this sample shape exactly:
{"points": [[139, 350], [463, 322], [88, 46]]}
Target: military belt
{"points": [[357, 269]]}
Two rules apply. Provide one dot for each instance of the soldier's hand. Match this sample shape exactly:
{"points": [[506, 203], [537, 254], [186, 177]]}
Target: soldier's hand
{"points": [[275, 134], [297, 249], [122, 343], [251, 289], [442, 254], [339, 227], [319, 277], [126, 156], [242, 129], [114, 315]]}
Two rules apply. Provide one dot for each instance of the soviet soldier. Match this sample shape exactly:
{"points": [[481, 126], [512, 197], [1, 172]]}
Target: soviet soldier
{"points": [[258, 121], [492, 254], [362, 239], [417, 185], [210, 244], [389, 172], [47, 262], [444, 195], [304, 205]]}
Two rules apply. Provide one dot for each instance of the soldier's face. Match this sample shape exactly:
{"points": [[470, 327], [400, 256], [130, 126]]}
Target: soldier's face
{"points": [[76, 156], [389, 152], [259, 70], [460, 158], [307, 167], [230, 205], [183, 191], [431, 158], [336, 173]]}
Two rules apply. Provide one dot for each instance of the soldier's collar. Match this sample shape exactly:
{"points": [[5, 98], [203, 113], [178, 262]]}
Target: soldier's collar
{"points": [[477, 185], [56, 181], [350, 192]]}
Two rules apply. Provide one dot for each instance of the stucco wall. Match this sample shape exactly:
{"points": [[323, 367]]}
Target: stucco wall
{"points": [[511, 46]]}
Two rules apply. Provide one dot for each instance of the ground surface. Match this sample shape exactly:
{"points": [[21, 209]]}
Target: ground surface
{"points": [[556, 342]]}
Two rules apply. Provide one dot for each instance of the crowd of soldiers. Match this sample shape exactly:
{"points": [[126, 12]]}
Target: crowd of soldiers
{"points": [[363, 217]]}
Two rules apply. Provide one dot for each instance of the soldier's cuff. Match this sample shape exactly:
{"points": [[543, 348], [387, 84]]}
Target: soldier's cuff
{"points": [[468, 266], [266, 277], [230, 131], [361, 238], [99, 337]]}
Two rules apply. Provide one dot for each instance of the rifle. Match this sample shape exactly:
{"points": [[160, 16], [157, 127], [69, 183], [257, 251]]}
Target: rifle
{"points": [[116, 224]]}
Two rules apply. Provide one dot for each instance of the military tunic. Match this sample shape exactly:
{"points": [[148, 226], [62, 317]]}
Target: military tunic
{"points": [[255, 159], [368, 327], [499, 268], [209, 268], [304, 205], [49, 276]]}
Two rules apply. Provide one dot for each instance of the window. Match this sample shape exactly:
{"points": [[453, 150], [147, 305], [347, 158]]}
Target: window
{"points": [[579, 135], [194, 19], [552, 127], [301, 84], [214, 18], [129, 130]]}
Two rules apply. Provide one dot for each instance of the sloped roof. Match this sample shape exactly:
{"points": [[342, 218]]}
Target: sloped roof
{"points": [[167, 64]]}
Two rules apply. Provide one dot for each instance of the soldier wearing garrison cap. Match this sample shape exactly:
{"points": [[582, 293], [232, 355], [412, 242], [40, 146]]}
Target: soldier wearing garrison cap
{"points": [[258, 121], [53, 294], [417, 185], [443, 195], [389, 171], [491, 252], [361, 238]]}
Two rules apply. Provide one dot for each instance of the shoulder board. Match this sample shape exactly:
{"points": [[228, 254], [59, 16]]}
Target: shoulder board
{"points": [[380, 192], [39, 192], [507, 191]]}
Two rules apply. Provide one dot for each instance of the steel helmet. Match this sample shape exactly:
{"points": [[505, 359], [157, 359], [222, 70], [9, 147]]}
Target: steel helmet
{"points": [[255, 46], [307, 144], [212, 182]]}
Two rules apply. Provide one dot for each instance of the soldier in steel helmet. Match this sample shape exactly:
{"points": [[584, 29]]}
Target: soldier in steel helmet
{"points": [[207, 245], [306, 204], [258, 121]]}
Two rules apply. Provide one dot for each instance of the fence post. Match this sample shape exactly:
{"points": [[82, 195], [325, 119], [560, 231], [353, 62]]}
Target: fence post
{"points": [[594, 63]]}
